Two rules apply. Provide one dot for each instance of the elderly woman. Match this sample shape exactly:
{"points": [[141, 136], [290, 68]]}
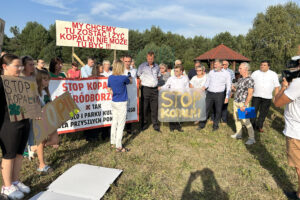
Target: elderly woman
{"points": [[164, 74]]}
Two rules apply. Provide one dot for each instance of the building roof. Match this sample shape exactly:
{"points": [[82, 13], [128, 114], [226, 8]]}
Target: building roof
{"points": [[222, 52]]}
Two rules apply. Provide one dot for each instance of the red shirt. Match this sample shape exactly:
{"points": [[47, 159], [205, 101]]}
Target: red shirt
{"points": [[73, 74]]}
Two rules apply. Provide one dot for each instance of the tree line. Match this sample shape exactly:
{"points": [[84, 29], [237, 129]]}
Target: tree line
{"points": [[274, 36]]}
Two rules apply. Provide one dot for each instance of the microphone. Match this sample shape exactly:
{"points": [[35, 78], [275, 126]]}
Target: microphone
{"points": [[129, 75]]}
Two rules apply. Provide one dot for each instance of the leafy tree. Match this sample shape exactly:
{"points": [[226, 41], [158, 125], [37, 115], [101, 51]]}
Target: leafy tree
{"points": [[275, 35], [163, 54], [33, 38]]}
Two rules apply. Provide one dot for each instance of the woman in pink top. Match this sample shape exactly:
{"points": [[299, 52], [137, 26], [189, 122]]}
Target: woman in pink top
{"points": [[74, 72]]}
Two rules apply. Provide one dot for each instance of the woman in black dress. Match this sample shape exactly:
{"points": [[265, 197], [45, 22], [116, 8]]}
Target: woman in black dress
{"points": [[13, 136]]}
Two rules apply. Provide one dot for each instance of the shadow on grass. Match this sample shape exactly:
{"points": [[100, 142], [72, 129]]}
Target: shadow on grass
{"points": [[211, 188], [266, 160]]}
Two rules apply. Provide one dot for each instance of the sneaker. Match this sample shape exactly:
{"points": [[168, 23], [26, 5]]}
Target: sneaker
{"points": [[236, 136], [250, 141], [12, 192], [22, 187], [46, 170]]}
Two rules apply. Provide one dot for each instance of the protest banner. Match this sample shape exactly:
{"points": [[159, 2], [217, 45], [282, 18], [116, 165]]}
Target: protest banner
{"points": [[22, 98], [76, 34], [54, 114], [180, 105], [94, 101], [2, 25]]}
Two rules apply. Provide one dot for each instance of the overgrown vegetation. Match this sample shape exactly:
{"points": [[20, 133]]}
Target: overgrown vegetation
{"points": [[189, 165]]}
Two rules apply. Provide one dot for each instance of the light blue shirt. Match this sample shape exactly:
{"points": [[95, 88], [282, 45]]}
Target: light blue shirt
{"points": [[149, 75], [218, 81], [232, 74], [86, 71]]}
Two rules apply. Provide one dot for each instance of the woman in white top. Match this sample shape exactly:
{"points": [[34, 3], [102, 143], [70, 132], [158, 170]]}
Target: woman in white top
{"points": [[199, 80]]}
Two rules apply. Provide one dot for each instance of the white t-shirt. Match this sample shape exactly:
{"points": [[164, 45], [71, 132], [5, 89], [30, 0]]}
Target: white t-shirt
{"points": [[106, 74], [132, 72], [176, 83], [198, 82], [292, 110], [264, 83]]}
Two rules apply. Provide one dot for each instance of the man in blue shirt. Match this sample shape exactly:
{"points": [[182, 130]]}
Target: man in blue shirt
{"points": [[148, 73], [86, 71]]}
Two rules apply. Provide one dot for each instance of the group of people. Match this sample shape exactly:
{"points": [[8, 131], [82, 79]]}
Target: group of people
{"points": [[219, 84]]}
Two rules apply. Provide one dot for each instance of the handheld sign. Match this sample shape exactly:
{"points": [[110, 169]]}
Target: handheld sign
{"points": [[22, 98], [249, 113], [54, 114], [76, 34], [180, 105]]}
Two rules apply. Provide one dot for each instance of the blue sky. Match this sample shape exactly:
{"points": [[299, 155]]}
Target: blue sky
{"points": [[185, 17]]}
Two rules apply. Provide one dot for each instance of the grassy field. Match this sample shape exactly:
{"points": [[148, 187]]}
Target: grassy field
{"points": [[189, 165]]}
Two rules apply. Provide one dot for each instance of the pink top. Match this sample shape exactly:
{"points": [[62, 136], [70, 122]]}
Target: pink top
{"points": [[73, 74]]}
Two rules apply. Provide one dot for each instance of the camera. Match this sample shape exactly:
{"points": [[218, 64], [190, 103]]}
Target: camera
{"points": [[292, 70]]}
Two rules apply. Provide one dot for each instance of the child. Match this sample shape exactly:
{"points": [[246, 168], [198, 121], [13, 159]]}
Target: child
{"points": [[13, 136], [42, 79], [179, 81]]}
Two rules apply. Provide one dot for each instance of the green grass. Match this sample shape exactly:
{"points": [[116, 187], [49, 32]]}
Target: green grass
{"points": [[190, 165]]}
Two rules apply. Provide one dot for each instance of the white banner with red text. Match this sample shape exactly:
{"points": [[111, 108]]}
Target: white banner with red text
{"points": [[94, 101], [76, 34]]}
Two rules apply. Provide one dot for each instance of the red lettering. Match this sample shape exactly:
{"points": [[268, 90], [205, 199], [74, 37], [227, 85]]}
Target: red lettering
{"points": [[103, 97], [87, 98], [62, 36], [89, 86], [81, 98], [64, 87], [80, 86], [108, 96], [97, 97], [75, 98]]}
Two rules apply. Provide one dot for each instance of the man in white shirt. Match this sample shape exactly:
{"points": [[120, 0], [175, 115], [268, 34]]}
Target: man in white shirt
{"points": [[289, 95], [179, 81], [86, 71], [218, 85], [127, 66], [127, 60], [106, 68], [265, 81]]}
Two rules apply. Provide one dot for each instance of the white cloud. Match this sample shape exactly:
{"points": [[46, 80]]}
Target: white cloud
{"points": [[102, 8], [52, 3], [84, 18]]}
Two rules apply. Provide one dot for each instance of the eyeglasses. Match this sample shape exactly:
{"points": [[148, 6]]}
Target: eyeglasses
{"points": [[225, 64], [199, 70], [19, 67], [176, 70]]}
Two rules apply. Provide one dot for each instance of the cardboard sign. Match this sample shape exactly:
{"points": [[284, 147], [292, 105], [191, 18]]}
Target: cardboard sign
{"points": [[2, 25], [180, 105], [22, 98], [76, 34], [94, 101], [54, 114]]}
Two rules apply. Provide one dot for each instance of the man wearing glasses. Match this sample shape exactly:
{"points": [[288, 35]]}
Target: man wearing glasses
{"points": [[218, 84]]}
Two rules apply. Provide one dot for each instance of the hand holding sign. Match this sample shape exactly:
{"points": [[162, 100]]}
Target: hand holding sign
{"points": [[22, 98]]}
